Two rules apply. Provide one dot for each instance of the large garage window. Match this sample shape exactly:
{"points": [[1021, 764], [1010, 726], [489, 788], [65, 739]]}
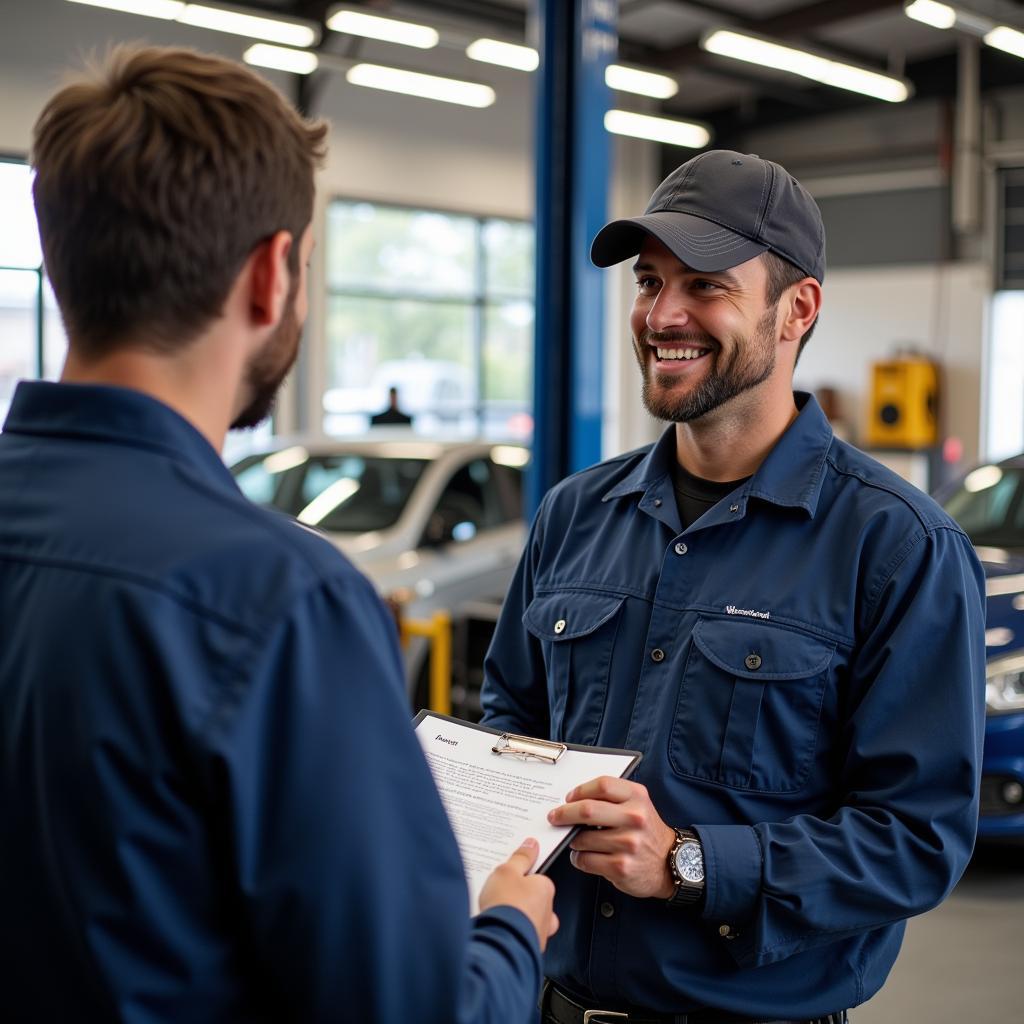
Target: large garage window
{"points": [[1004, 404], [32, 340], [436, 305]]}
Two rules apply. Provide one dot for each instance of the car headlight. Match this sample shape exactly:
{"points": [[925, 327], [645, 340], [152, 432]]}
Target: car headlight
{"points": [[1004, 685]]}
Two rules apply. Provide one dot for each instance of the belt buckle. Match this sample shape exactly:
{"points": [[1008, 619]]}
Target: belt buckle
{"points": [[593, 1015]]}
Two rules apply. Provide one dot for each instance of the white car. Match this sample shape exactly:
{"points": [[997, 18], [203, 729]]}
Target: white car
{"points": [[433, 525]]}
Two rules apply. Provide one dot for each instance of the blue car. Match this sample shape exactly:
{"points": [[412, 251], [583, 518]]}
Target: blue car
{"points": [[989, 504]]}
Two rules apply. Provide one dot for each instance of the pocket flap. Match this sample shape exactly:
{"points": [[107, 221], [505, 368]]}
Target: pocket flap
{"points": [[568, 615], [755, 650]]}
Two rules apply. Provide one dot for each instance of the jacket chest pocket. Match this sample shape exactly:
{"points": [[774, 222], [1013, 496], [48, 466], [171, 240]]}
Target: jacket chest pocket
{"points": [[749, 705], [577, 635]]}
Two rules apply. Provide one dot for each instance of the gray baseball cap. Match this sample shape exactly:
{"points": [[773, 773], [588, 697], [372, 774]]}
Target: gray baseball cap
{"points": [[721, 209]]}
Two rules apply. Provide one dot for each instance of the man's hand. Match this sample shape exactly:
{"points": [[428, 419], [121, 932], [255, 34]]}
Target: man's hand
{"points": [[509, 885], [626, 841]]}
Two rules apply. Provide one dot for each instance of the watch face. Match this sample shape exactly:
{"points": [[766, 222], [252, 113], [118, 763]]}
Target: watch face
{"points": [[690, 863]]}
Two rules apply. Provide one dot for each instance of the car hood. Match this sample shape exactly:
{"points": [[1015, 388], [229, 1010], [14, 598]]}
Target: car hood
{"points": [[380, 555]]}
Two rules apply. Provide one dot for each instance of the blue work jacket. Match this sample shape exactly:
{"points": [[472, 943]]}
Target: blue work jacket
{"points": [[214, 808], [803, 669]]}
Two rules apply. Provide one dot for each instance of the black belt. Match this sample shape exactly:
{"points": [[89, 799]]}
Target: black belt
{"points": [[561, 1008]]}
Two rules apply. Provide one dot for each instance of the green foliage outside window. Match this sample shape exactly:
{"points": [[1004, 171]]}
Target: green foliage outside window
{"points": [[439, 305]]}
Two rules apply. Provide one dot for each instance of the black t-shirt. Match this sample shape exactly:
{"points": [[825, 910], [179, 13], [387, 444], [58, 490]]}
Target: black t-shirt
{"points": [[695, 496]]}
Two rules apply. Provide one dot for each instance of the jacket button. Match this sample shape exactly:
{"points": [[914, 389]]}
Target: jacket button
{"points": [[726, 931], [753, 662], [607, 910], [560, 626], [681, 548], [657, 654]]}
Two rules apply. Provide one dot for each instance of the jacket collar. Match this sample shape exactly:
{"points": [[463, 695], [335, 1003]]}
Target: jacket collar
{"points": [[790, 476], [113, 415]]}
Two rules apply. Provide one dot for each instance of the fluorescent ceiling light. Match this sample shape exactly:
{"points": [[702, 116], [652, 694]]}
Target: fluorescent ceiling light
{"points": [[166, 9], [223, 19], [281, 58], [220, 19], [643, 83], [355, 23], [945, 16], [413, 83], [931, 13], [1007, 39], [764, 52], [506, 55], [657, 129]]}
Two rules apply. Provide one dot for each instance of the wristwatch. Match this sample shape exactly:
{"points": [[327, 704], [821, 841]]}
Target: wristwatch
{"points": [[686, 862]]}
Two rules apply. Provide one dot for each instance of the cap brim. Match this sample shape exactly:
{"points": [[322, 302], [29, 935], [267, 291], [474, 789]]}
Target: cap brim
{"points": [[700, 244]]}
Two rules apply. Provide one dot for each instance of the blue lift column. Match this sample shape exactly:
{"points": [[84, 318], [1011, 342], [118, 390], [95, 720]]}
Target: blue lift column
{"points": [[577, 39]]}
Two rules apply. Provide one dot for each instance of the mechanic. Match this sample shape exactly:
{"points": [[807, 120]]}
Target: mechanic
{"points": [[214, 806], [791, 635]]}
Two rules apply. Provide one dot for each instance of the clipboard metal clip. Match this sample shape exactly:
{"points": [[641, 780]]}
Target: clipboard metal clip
{"points": [[528, 749]]}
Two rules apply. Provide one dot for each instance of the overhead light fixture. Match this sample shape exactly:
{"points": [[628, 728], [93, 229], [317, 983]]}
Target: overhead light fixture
{"points": [[390, 30], [168, 10], [657, 129], [506, 55], [931, 13], [281, 58], [767, 53], [1007, 39], [643, 83], [945, 16], [1000, 37], [239, 23], [415, 83], [235, 20]]}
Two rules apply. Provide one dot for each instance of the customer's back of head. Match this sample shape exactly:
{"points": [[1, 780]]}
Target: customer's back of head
{"points": [[214, 809], [156, 176], [124, 554]]}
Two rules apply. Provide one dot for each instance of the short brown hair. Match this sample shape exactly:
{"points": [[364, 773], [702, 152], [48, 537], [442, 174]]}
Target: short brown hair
{"points": [[781, 274], [157, 174]]}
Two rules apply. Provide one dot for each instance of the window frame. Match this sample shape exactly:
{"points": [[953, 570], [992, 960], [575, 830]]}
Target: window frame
{"points": [[477, 304], [40, 310]]}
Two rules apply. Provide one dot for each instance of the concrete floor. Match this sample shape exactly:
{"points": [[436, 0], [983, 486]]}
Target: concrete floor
{"points": [[964, 962]]}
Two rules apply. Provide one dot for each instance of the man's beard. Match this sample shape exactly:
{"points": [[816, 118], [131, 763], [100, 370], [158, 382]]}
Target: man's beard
{"points": [[268, 368], [748, 366]]}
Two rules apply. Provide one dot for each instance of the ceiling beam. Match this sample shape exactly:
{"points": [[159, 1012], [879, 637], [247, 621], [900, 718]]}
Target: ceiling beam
{"points": [[508, 19], [804, 20], [934, 78]]}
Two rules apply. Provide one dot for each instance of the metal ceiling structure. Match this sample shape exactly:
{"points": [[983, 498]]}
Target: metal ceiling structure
{"points": [[663, 35]]}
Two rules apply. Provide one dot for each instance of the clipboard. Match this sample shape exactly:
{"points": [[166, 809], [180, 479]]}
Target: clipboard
{"points": [[547, 753]]}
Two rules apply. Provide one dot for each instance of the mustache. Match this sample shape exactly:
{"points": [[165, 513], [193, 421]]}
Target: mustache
{"points": [[649, 337]]}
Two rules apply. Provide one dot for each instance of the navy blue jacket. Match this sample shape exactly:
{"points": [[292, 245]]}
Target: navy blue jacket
{"points": [[803, 670], [214, 808]]}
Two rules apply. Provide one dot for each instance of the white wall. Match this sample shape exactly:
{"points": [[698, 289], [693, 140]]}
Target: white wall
{"points": [[869, 313]]}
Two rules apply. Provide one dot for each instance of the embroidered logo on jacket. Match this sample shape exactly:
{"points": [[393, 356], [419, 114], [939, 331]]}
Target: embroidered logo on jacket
{"points": [[731, 609]]}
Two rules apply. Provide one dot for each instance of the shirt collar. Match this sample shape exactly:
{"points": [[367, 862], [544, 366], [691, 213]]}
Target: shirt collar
{"points": [[791, 475], [114, 415]]}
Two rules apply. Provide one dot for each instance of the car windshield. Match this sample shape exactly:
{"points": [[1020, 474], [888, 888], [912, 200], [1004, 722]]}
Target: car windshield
{"points": [[989, 505], [342, 492]]}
